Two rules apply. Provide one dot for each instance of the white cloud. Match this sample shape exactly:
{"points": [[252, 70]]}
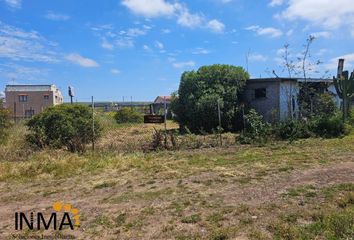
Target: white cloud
{"points": [[274, 3], [290, 32], [187, 64], [124, 43], [257, 58], [322, 13], [17, 44], [225, 1], [323, 34], [106, 45], [147, 48], [322, 51], [162, 8], [82, 61], [159, 45], [135, 32], [56, 16], [171, 59], [111, 37], [115, 71], [349, 62], [187, 19], [216, 26], [14, 72], [269, 31], [166, 31], [150, 8], [200, 51], [15, 4]]}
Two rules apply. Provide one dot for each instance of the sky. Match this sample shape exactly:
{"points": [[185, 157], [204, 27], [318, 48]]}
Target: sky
{"points": [[115, 49]]}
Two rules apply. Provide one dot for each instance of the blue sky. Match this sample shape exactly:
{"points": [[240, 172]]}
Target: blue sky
{"points": [[139, 48]]}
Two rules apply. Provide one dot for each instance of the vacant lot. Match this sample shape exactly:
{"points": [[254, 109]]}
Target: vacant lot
{"points": [[303, 189]]}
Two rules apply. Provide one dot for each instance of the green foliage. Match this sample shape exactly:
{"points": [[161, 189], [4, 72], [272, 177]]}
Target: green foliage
{"points": [[256, 130], [61, 126], [324, 105], [292, 130], [328, 126], [345, 89], [196, 105], [322, 125], [5, 123], [128, 115]]}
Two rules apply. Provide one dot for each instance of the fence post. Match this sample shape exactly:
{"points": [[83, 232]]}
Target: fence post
{"points": [[219, 115], [165, 116]]}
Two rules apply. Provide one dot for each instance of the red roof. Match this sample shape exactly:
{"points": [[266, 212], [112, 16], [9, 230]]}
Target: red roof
{"points": [[162, 99]]}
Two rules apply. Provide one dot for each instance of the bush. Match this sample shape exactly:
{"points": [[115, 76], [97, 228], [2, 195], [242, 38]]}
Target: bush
{"points": [[5, 123], [292, 130], [128, 115], [195, 106], [256, 130], [324, 105], [68, 126], [329, 126]]}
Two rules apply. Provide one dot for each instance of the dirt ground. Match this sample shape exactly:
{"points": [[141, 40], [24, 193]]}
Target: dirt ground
{"points": [[231, 202]]}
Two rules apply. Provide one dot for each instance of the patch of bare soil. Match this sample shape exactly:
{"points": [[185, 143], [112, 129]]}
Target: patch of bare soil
{"points": [[131, 205]]}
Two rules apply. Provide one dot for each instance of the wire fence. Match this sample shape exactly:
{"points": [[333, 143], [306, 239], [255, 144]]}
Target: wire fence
{"points": [[144, 137]]}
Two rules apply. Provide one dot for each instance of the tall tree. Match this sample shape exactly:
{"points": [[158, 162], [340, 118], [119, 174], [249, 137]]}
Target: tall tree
{"points": [[196, 102]]}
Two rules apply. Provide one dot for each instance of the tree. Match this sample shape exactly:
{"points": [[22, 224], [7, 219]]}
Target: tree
{"points": [[303, 66], [68, 126], [195, 105], [5, 122]]}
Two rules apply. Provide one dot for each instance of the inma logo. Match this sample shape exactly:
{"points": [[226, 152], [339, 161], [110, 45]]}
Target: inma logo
{"points": [[62, 215]]}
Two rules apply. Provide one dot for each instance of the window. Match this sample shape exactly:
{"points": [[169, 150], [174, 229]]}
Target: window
{"points": [[46, 97], [29, 113], [260, 93], [22, 98]]}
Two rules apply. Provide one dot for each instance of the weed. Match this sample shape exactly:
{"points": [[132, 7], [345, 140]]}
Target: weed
{"points": [[120, 219], [191, 219], [104, 185]]}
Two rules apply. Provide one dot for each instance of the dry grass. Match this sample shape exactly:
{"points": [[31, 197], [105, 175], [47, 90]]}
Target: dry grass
{"points": [[302, 190]]}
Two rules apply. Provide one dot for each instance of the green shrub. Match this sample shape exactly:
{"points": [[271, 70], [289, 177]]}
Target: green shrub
{"points": [[128, 115], [195, 106], [68, 126], [328, 126], [256, 130], [5, 123], [324, 105], [292, 130]]}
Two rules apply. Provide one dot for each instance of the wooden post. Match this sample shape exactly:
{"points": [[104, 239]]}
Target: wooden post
{"points": [[165, 115], [15, 119], [219, 115]]}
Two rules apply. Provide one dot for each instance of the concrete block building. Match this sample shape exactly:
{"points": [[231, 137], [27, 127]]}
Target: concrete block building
{"points": [[276, 98], [24, 101]]}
